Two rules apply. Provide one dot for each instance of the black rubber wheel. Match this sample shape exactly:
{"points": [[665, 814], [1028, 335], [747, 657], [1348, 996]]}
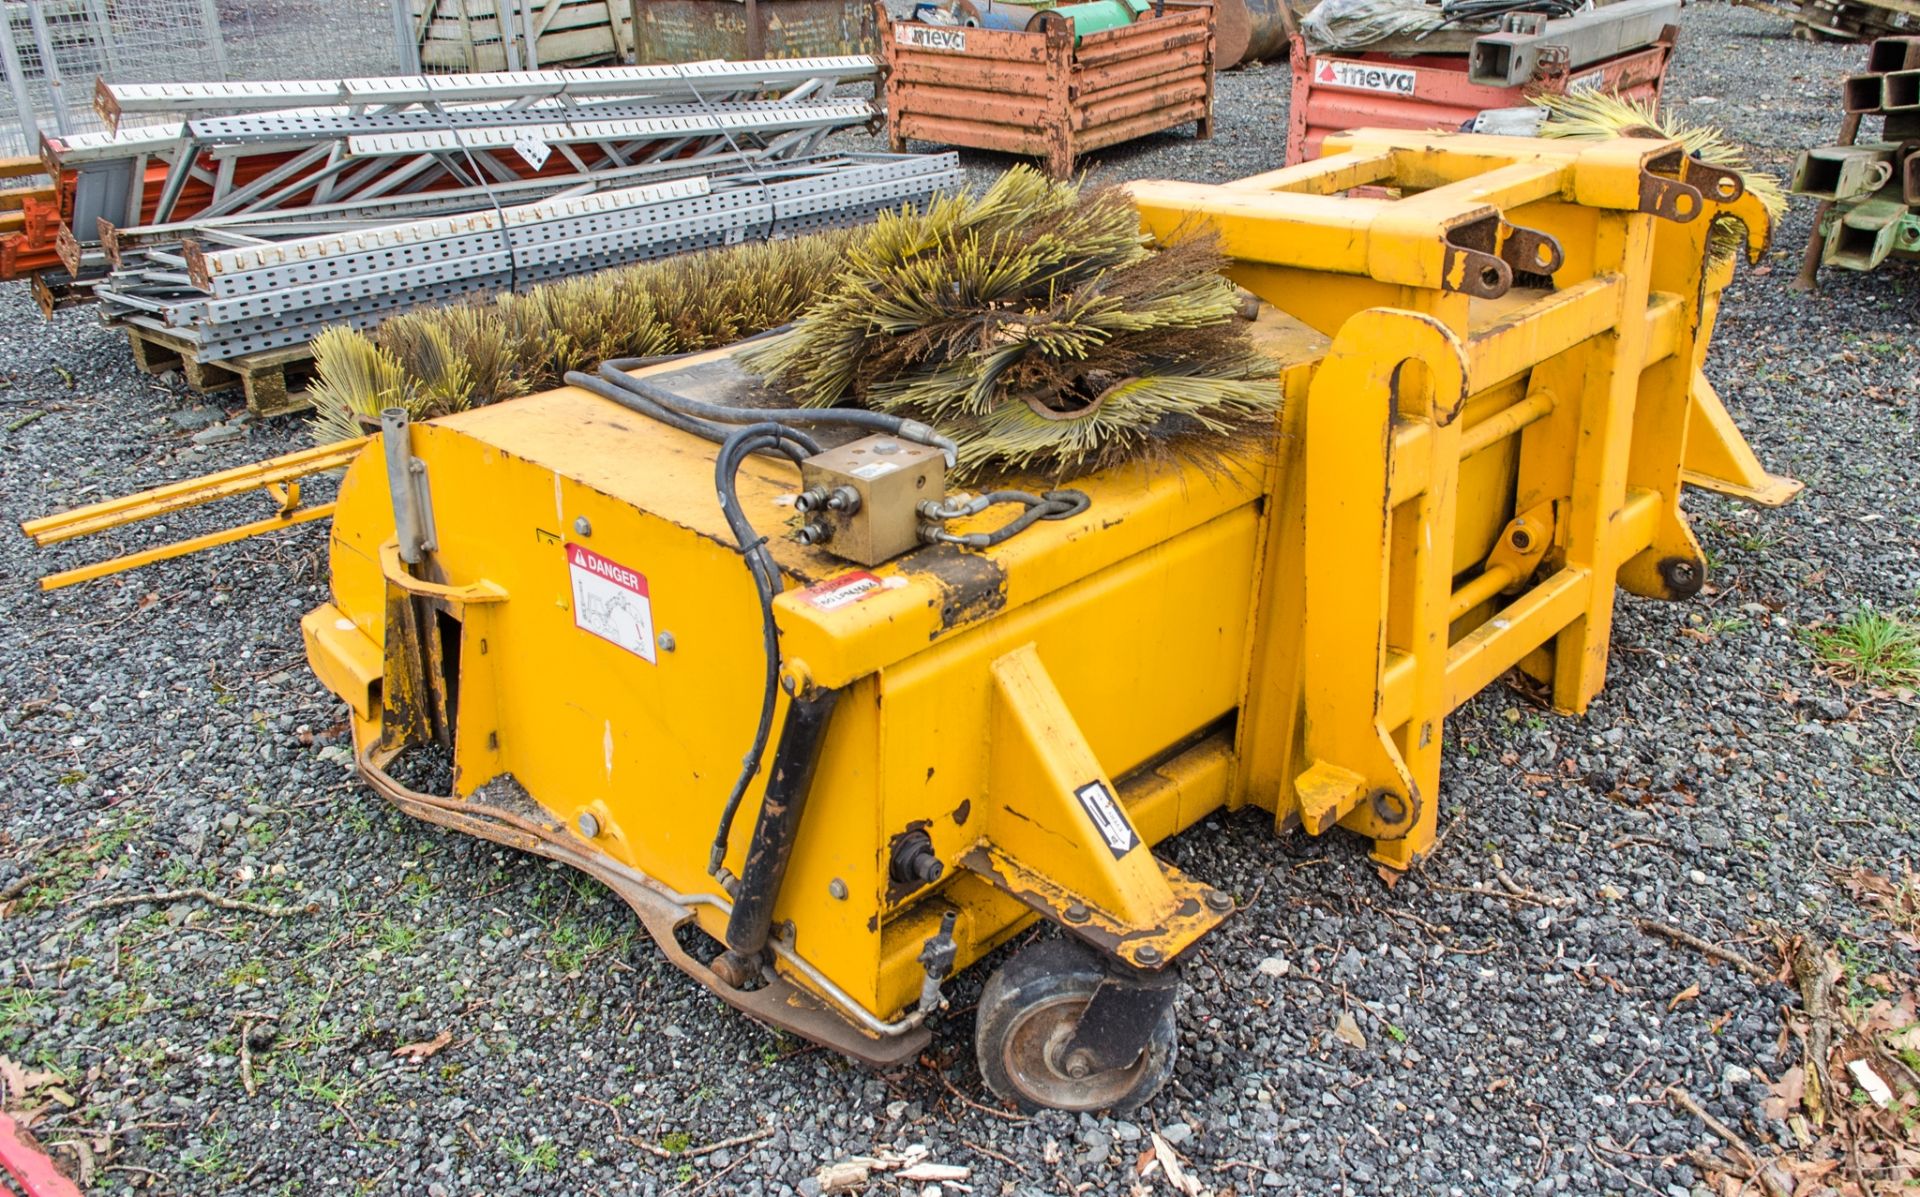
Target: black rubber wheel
{"points": [[1028, 1010]]}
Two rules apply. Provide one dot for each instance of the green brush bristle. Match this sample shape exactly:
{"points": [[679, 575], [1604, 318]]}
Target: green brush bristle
{"points": [[439, 360], [1036, 325], [1598, 116]]}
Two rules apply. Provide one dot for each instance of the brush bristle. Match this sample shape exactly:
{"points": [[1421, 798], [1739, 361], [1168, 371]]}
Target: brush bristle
{"points": [[1598, 116], [439, 360], [1034, 324]]}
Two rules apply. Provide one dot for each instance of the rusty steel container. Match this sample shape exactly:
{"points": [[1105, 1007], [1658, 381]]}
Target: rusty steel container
{"points": [[1340, 91], [1036, 93], [697, 30]]}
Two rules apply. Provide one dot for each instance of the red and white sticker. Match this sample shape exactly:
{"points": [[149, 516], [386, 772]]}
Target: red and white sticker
{"points": [[611, 601], [848, 589], [1365, 76]]}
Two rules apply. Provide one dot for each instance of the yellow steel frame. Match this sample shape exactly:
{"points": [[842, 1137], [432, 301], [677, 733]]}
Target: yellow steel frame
{"points": [[1588, 390], [279, 479], [1490, 352]]}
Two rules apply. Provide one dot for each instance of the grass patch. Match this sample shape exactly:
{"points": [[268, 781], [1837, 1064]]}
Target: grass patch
{"points": [[540, 1155], [18, 1010], [1869, 646]]}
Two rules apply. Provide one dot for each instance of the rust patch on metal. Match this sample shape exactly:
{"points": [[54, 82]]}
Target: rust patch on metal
{"points": [[972, 585], [778, 1003]]}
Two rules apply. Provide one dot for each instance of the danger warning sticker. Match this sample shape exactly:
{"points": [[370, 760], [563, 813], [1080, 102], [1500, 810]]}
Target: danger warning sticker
{"points": [[1108, 819], [611, 601], [847, 589], [1365, 76]]}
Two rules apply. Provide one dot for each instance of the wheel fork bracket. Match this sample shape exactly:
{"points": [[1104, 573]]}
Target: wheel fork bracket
{"points": [[1117, 1024]]}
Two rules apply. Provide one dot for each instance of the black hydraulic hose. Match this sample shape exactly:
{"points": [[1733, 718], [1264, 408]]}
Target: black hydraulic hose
{"points": [[1054, 505], [634, 401], [766, 581], [614, 371]]}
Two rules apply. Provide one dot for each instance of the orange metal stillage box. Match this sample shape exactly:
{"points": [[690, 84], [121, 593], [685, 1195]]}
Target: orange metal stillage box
{"points": [[1038, 93], [1339, 91]]}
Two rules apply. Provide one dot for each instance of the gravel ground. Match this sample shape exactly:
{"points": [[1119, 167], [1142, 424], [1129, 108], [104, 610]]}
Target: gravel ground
{"points": [[160, 732]]}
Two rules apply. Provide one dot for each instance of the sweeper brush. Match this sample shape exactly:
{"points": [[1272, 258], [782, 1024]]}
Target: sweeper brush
{"points": [[836, 733], [440, 360], [1594, 115], [1035, 325]]}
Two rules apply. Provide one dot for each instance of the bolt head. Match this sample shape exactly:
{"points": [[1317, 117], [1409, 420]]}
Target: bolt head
{"points": [[1079, 1066], [582, 526], [589, 824], [1148, 954], [667, 642], [1076, 913], [1218, 901], [838, 889]]}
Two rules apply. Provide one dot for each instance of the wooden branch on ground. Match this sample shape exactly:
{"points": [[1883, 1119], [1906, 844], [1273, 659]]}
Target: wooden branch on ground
{"points": [[1727, 955], [1768, 1183], [184, 895], [667, 1153]]}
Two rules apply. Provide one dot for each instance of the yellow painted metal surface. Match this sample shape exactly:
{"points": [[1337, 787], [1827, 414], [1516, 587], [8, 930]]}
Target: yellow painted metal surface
{"points": [[279, 479], [1490, 364]]}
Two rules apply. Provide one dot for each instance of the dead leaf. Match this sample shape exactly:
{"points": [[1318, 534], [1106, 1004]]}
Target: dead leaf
{"points": [[1169, 1161], [1388, 877], [1347, 1031], [1685, 995], [1786, 1094], [416, 1052]]}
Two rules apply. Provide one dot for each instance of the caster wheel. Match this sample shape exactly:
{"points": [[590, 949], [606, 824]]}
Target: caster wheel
{"points": [[1028, 1013]]}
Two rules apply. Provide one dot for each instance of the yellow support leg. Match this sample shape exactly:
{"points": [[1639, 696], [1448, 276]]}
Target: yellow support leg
{"points": [[1371, 774], [1057, 837]]}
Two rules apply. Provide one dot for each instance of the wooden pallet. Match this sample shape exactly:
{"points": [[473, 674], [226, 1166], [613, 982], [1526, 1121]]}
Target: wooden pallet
{"points": [[263, 377], [1844, 20]]}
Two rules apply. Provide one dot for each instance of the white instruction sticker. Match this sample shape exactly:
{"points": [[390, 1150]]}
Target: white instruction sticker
{"points": [[1365, 76], [611, 601], [874, 469], [532, 150], [1107, 817], [923, 37]]}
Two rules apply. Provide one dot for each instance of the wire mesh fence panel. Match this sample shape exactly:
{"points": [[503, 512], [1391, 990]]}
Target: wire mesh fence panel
{"points": [[310, 39], [54, 50]]}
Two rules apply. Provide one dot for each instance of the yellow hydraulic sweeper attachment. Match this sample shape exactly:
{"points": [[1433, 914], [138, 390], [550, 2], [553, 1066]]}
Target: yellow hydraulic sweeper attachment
{"points": [[1490, 353]]}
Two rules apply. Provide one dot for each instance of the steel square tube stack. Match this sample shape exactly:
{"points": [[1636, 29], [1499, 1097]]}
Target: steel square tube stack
{"points": [[355, 151], [245, 299]]}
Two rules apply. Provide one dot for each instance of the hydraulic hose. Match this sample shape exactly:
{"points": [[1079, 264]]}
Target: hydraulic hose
{"points": [[614, 371], [1054, 505], [739, 444], [635, 401]]}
